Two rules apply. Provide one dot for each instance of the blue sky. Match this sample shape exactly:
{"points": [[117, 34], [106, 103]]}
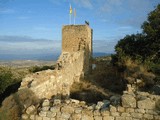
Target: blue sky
{"points": [[33, 20]]}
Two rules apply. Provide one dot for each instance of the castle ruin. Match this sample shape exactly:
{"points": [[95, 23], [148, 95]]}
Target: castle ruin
{"points": [[73, 64]]}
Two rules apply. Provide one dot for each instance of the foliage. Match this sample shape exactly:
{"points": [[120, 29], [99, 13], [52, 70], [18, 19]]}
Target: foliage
{"points": [[142, 47], [40, 68], [6, 79]]}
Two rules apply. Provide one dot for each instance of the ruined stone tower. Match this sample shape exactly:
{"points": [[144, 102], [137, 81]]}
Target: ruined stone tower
{"points": [[78, 38], [72, 65]]}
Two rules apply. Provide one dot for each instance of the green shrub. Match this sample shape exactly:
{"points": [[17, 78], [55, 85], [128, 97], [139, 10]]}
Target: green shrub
{"points": [[6, 78], [40, 68]]}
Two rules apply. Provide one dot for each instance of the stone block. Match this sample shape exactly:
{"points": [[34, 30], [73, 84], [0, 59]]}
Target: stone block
{"points": [[76, 117], [32, 117], [125, 115], [120, 118], [67, 109], [146, 104], [30, 109], [147, 116], [24, 116], [128, 101], [96, 113], [38, 117], [42, 113], [152, 112], [46, 118], [115, 114], [66, 115], [55, 109], [45, 103], [108, 118], [120, 109], [105, 113], [128, 118], [78, 110], [98, 117], [140, 111], [112, 108], [129, 110], [87, 117], [137, 115], [157, 117], [46, 108], [50, 114], [75, 101], [57, 101]]}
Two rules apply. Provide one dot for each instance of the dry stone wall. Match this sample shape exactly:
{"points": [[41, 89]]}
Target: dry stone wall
{"points": [[139, 106], [46, 84]]}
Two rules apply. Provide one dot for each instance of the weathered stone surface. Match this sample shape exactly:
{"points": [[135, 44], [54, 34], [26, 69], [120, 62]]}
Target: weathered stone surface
{"points": [[96, 113], [146, 104], [108, 118], [78, 110], [137, 115], [147, 116], [25, 116], [98, 117], [75, 101], [32, 117], [125, 115], [45, 103], [38, 117], [67, 109], [120, 118], [57, 101], [130, 110], [152, 112], [99, 105], [105, 113], [120, 109], [140, 111], [43, 113], [30, 109], [112, 108], [128, 101], [46, 118], [65, 115], [50, 114], [157, 117], [76, 117], [55, 109], [115, 114], [45, 108], [87, 117]]}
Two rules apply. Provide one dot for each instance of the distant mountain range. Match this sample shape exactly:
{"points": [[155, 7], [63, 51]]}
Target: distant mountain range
{"points": [[45, 57]]}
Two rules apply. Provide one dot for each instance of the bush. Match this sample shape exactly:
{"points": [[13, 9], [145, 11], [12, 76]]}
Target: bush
{"points": [[6, 79], [40, 68]]}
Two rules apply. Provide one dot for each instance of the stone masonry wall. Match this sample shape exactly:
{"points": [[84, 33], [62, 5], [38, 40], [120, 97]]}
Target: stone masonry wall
{"points": [[77, 38], [46, 84], [139, 106]]}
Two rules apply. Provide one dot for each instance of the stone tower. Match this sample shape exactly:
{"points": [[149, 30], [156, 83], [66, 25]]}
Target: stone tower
{"points": [[78, 38]]}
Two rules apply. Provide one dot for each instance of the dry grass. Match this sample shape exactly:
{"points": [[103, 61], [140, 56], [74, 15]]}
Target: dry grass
{"points": [[15, 104]]}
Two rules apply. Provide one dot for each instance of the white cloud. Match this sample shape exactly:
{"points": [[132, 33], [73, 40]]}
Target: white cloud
{"points": [[6, 11]]}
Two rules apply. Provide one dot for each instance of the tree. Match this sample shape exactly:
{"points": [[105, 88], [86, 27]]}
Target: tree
{"points": [[151, 28]]}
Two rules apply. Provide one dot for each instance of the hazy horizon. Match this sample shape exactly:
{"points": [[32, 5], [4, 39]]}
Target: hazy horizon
{"points": [[33, 28]]}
